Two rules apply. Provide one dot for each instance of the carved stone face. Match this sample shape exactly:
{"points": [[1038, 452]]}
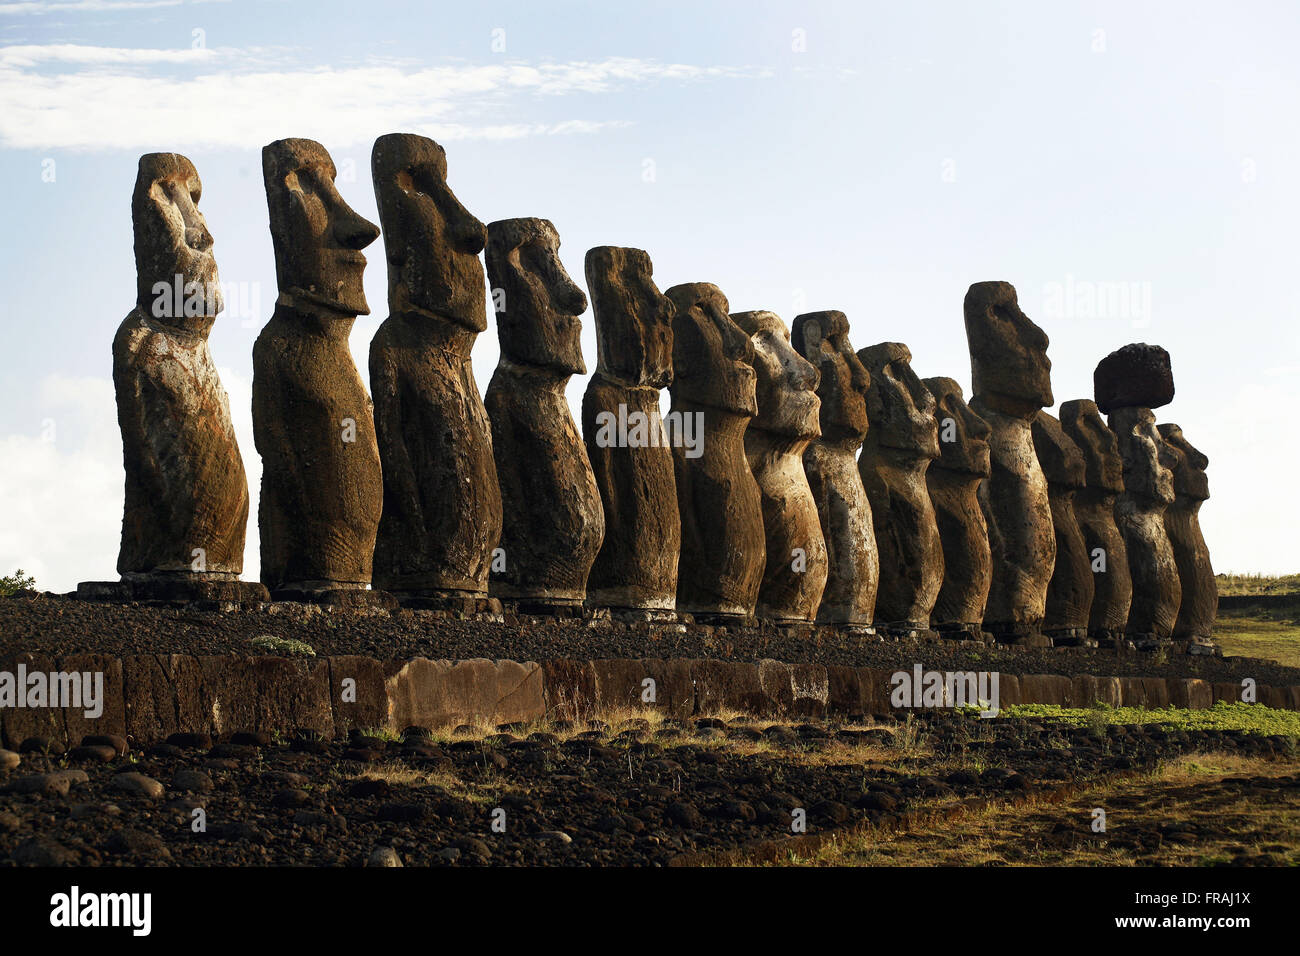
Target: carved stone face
{"points": [[787, 382], [171, 239], [1082, 421], [713, 359], [1186, 462], [431, 241], [634, 331], [1010, 370], [1060, 458], [538, 323], [899, 406], [1145, 478], [823, 339], [317, 236], [963, 435]]}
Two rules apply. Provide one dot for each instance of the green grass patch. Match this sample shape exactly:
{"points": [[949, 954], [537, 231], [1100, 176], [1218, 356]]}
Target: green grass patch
{"points": [[1267, 633], [1251, 718], [279, 646], [1258, 583]]}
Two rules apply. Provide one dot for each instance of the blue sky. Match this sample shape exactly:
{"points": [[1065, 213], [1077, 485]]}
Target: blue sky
{"points": [[869, 157]]}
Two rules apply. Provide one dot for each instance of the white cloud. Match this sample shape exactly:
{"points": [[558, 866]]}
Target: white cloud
{"points": [[117, 98]]}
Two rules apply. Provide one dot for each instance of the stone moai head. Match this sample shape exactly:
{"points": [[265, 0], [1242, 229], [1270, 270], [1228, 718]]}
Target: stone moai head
{"points": [[172, 239], [1186, 462], [1104, 469], [713, 359], [787, 382], [963, 435], [1010, 370], [823, 339], [634, 331], [899, 406], [431, 241], [537, 323], [317, 236], [1145, 477], [1059, 457]]}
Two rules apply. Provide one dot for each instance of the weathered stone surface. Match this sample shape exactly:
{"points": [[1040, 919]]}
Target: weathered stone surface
{"points": [[19, 723], [357, 696], [265, 693], [727, 685], [953, 481], [1070, 591], [1094, 509], [853, 566], [1135, 376], [1139, 514], [569, 689], [321, 485], [713, 399], [111, 705], [801, 690], [899, 448], [636, 566], [1046, 689], [1011, 381], [553, 523], [186, 492], [652, 682], [1190, 693], [1199, 604], [1089, 690], [429, 693], [794, 575], [441, 501]]}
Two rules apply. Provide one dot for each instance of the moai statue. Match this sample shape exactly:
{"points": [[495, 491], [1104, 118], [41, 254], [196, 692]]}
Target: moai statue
{"points": [[775, 442], [1128, 384], [636, 567], [713, 391], [186, 492], [953, 481], [902, 442], [442, 504], [1010, 382], [312, 420], [1200, 592], [1094, 508], [553, 522], [1070, 591], [853, 569]]}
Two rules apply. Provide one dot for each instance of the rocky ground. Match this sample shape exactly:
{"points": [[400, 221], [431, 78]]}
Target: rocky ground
{"points": [[57, 625], [636, 790]]}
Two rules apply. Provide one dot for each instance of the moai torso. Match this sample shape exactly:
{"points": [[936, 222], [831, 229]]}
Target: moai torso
{"points": [[442, 503], [1070, 592], [953, 481], [853, 568], [186, 504], [1010, 375], [794, 575], [1094, 508], [321, 482], [713, 397], [553, 523], [636, 566], [1129, 383], [901, 444], [1199, 604]]}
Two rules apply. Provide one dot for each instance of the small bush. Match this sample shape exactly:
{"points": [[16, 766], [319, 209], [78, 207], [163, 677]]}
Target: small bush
{"points": [[270, 644], [11, 584]]}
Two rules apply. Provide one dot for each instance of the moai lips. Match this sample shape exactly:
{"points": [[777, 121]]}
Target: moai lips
{"points": [[723, 543], [553, 522], [186, 492], [853, 569], [787, 421], [1199, 605], [636, 567], [322, 489], [1126, 381], [1011, 379], [1094, 509], [901, 444], [1070, 591], [953, 481], [442, 514]]}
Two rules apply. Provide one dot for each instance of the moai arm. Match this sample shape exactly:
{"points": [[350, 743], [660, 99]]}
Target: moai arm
{"points": [[399, 471]]}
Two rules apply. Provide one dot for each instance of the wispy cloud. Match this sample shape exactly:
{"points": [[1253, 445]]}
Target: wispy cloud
{"points": [[84, 97], [82, 6]]}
